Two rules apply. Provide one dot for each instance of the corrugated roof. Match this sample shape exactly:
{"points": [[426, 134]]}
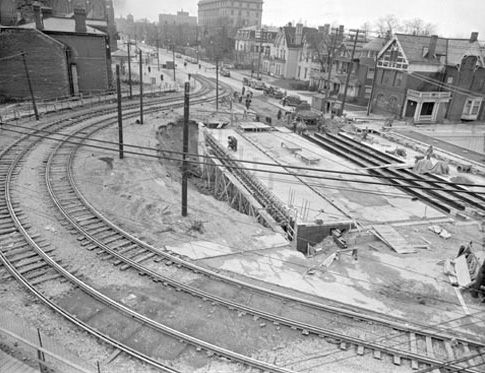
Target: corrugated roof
{"points": [[56, 24]]}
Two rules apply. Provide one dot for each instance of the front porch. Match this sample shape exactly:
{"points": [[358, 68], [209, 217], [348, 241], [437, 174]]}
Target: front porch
{"points": [[425, 107]]}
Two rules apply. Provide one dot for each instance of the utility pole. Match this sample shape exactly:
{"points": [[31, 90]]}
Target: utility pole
{"points": [[173, 57], [185, 149], [349, 72], [158, 55], [141, 88], [330, 61], [369, 104], [120, 117], [259, 56], [129, 71], [34, 105], [217, 84]]}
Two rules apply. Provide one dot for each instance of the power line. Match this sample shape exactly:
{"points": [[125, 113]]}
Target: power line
{"points": [[254, 163]]}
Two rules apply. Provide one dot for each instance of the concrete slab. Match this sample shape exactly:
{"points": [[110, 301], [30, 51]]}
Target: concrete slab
{"points": [[201, 249], [329, 200]]}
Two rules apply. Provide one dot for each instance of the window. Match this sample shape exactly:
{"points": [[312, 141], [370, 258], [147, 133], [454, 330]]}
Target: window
{"points": [[306, 72], [394, 54], [449, 80], [370, 73], [472, 107], [382, 75], [427, 108], [397, 79]]}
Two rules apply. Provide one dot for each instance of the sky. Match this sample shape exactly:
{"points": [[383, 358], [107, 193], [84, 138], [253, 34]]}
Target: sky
{"points": [[452, 18]]}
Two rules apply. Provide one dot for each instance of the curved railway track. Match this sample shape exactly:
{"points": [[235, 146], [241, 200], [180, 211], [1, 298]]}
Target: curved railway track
{"points": [[448, 199], [46, 268], [127, 251]]}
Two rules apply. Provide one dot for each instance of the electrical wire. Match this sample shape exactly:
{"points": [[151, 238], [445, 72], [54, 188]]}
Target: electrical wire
{"points": [[254, 163]]}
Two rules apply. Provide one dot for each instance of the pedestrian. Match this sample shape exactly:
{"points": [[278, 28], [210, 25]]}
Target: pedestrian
{"points": [[284, 101], [200, 66], [240, 99], [279, 114], [429, 152], [243, 90], [248, 103], [245, 114], [149, 69]]}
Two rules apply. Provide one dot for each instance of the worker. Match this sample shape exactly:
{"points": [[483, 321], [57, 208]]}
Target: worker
{"points": [[475, 287], [232, 143], [429, 152]]}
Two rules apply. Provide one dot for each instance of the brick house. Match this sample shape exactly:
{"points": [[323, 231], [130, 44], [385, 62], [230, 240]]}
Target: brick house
{"points": [[249, 40], [286, 50], [80, 56], [427, 79], [46, 59]]}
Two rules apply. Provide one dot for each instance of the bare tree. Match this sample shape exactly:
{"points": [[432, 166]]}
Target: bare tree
{"points": [[417, 26], [324, 49], [388, 25]]}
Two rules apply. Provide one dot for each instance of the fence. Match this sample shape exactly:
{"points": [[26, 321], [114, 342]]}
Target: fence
{"points": [[25, 109], [49, 354]]}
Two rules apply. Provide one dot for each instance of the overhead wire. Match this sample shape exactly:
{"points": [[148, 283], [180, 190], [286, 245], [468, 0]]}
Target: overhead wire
{"points": [[192, 161]]}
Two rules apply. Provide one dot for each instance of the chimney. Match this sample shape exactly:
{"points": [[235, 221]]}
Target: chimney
{"points": [[473, 37], [299, 33], [432, 46], [46, 12], [326, 28], [39, 23], [80, 20]]}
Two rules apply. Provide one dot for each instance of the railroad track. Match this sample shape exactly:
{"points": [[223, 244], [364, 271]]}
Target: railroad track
{"points": [[126, 251], [42, 267], [306, 328], [449, 198]]}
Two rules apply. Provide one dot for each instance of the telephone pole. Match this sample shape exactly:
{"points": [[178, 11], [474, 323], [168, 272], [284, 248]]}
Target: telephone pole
{"points": [[158, 55], [259, 56], [27, 75], [129, 71], [369, 104], [330, 60], [349, 72], [120, 117], [185, 149], [141, 88], [217, 84], [173, 58]]}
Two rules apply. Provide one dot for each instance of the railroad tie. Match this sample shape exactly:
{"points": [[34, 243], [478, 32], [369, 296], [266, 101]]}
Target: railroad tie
{"points": [[377, 354]]}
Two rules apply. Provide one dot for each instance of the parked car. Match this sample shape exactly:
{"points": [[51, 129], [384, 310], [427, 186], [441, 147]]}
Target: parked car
{"points": [[257, 84], [291, 101], [225, 73], [274, 92], [178, 55]]}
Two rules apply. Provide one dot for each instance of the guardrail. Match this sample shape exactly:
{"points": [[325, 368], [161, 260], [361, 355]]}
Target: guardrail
{"points": [[25, 109]]}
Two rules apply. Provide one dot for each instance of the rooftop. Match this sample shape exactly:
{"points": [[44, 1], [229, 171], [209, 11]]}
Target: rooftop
{"points": [[57, 24]]}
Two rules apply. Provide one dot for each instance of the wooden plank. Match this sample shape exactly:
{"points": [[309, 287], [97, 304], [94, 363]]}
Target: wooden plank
{"points": [[462, 272], [449, 350], [377, 355], [360, 350], [396, 360], [414, 350], [393, 239]]}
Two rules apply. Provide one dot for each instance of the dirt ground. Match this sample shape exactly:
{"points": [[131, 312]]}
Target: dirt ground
{"points": [[143, 195]]}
